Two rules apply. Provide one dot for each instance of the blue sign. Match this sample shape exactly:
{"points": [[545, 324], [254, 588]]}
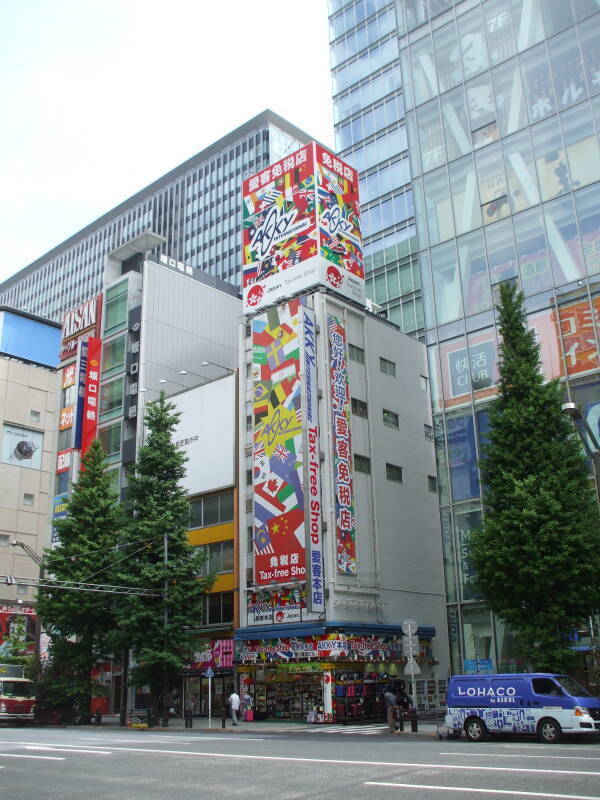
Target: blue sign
{"points": [[481, 666], [59, 511], [209, 673]]}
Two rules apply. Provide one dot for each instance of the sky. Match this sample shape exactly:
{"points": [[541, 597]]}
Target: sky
{"points": [[101, 97]]}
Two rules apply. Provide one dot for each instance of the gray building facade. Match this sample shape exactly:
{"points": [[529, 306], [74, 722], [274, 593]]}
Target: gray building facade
{"points": [[475, 125], [195, 207]]}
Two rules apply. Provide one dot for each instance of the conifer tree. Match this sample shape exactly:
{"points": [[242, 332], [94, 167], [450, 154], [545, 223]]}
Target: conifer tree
{"points": [[157, 627], [81, 623], [537, 552]]}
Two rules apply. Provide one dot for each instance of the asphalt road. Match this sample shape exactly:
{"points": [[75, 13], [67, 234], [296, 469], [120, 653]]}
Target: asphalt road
{"points": [[72, 764]]}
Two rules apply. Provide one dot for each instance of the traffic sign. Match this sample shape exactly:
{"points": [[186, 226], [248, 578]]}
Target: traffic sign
{"points": [[409, 626], [209, 673], [411, 668], [411, 646]]}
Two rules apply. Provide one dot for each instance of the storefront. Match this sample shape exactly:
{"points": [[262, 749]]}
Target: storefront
{"points": [[216, 655], [330, 675]]}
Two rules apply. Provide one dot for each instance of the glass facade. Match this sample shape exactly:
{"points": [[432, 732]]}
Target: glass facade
{"points": [[476, 128], [196, 207]]}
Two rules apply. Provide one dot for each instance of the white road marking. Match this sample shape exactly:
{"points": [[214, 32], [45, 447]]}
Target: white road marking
{"points": [[346, 762], [554, 746], [365, 730], [20, 755], [63, 749], [483, 791], [519, 755]]}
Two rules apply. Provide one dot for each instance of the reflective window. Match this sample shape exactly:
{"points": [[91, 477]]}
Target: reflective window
{"points": [[474, 274], [465, 197], [441, 458], [110, 439], [111, 397], [431, 140], [498, 30], [510, 99], [115, 307], [113, 356], [588, 215], [537, 80], [472, 44], [589, 35], [423, 70], [565, 248], [437, 206], [501, 253], [520, 172], [480, 100], [550, 158], [456, 125], [462, 453], [492, 185], [445, 45], [527, 23], [583, 152], [557, 16], [446, 283], [532, 251], [567, 69]]}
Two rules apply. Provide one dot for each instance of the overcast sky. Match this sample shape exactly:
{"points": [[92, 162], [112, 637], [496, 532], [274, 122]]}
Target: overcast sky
{"points": [[101, 97]]}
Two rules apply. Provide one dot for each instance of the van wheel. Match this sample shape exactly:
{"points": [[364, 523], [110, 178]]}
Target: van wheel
{"points": [[549, 731], [475, 729]]}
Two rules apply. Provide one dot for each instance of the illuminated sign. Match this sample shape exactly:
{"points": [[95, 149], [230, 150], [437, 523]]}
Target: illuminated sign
{"points": [[79, 324]]}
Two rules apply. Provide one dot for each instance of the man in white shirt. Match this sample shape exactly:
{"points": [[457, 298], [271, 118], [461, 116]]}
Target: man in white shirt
{"points": [[234, 705]]}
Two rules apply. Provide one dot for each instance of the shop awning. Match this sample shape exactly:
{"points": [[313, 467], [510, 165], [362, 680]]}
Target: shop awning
{"points": [[323, 628]]}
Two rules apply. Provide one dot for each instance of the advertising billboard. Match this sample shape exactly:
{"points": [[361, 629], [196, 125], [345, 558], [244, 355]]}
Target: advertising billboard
{"points": [[345, 529], [21, 447], [281, 443], [79, 324], [17, 622], [301, 228], [89, 414], [59, 511], [278, 606]]}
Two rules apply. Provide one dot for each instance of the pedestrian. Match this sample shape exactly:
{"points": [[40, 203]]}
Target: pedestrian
{"points": [[389, 698], [234, 705], [404, 701]]}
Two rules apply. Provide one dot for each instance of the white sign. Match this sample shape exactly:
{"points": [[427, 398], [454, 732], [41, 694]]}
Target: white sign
{"points": [[410, 646], [409, 626], [412, 668], [22, 447]]}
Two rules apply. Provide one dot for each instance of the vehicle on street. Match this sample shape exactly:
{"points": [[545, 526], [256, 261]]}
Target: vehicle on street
{"points": [[17, 695], [545, 704]]}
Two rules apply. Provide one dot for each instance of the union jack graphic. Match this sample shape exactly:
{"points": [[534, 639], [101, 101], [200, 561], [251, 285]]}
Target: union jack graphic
{"points": [[281, 453], [259, 449]]}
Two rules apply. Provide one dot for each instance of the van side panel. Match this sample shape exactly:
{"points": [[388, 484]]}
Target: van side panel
{"points": [[497, 720]]}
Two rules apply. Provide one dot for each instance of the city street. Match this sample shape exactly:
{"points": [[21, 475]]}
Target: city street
{"points": [[69, 764]]}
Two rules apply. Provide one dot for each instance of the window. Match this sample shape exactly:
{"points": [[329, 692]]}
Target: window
{"points": [[391, 419], [116, 307], [111, 397], [4, 540], [362, 464], [387, 367], [393, 473], [219, 557], [28, 499], [219, 608], [424, 382], [249, 477], [62, 482], [432, 483], [34, 416], [356, 354], [22, 588], [212, 509], [110, 439], [428, 429], [113, 356], [359, 408]]}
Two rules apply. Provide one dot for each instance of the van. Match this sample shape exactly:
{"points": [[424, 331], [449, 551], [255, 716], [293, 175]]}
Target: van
{"points": [[541, 703], [17, 695]]}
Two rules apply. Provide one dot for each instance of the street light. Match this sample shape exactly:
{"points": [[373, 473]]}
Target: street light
{"points": [[169, 380], [214, 364], [572, 410]]}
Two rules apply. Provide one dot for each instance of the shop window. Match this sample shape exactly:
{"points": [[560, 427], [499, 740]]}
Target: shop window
{"points": [[356, 354], [393, 473], [387, 367], [211, 509], [359, 408], [362, 464], [391, 419]]}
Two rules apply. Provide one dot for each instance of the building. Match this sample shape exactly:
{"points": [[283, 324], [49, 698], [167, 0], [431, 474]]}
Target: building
{"points": [[343, 567], [195, 208], [28, 406], [475, 127]]}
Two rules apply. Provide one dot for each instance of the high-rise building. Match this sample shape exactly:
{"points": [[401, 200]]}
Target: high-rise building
{"points": [[195, 207], [475, 127]]}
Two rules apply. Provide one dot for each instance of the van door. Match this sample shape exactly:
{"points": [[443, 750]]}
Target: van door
{"points": [[546, 693]]}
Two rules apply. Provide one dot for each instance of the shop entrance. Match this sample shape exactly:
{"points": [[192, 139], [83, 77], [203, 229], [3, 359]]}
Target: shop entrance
{"points": [[196, 693]]}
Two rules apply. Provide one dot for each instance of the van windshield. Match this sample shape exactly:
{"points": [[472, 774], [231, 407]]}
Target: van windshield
{"points": [[16, 688], [573, 687]]}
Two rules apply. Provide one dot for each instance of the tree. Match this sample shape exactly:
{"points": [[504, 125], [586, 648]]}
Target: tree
{"points": [[536, 554], [157, 628], [80, 623]]}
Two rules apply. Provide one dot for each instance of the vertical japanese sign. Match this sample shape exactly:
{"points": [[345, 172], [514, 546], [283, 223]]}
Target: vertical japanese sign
{"points": [[59, 511], [312, 467], [301, 228], [345, 530], [90, 399], [82, 360], [279, 554]]}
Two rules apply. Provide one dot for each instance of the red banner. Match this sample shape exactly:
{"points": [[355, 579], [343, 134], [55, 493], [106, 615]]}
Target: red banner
{"points": [[92, 387]]}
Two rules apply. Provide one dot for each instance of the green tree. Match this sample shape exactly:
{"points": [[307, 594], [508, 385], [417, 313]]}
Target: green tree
{"points": [[80, 624], [537, 553], [157, 628]]}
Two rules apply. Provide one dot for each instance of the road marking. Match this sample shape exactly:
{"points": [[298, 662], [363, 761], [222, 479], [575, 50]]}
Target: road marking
{"points": [[483, 791], [365, 730], [554, 746], [63, 749], [345, 762], [20, 755], [518, 755]]}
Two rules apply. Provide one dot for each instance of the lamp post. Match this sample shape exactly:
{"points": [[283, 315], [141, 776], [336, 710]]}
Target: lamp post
{"points": [[572, 410], [214, 364]]}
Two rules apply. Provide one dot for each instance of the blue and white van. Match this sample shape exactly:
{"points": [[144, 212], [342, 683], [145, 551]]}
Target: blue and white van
{"points": [[542, 703]]}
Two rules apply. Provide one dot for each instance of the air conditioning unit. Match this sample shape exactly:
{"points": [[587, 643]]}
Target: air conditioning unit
{"points": [[373, 307]]}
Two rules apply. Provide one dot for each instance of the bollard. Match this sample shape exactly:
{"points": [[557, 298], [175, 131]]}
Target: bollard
{"points": [[401, 721], [413, 720], [98, 718]]}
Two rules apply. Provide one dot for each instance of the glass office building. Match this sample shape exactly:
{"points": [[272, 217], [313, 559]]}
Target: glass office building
{"points": [[475, 126], [196, 207]]}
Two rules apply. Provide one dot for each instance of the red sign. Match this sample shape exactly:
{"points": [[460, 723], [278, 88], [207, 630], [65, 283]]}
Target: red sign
{"points": [[63, 460], [92, 390], [79, 324], [69, 376]]}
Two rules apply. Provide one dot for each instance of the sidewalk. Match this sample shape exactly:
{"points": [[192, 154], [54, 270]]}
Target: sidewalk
{"points": [[201, 725]]}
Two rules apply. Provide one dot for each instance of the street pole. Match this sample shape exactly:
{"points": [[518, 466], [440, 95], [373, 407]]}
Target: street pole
{"points": [[166, 706]]}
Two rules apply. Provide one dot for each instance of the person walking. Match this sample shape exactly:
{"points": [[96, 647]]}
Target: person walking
{"points": [[389, 698], [234, 705]]}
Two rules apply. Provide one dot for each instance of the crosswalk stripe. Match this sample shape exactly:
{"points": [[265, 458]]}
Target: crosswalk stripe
{"points": [[365, 730]]}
